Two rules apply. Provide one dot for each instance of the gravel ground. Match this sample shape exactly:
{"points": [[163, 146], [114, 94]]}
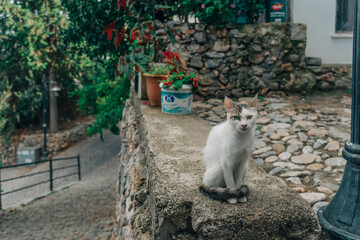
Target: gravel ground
{"points": [[77, 210]]}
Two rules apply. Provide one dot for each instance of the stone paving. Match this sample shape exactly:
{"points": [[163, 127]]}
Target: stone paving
{"points": [[83, 210], [299, 139]]}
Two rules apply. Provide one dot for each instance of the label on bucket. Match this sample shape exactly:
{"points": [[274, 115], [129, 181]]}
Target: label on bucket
{"points": [[176, 103]]}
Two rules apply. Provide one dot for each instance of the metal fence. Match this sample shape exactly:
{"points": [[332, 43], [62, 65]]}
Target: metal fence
{"points": [[50, 171]]}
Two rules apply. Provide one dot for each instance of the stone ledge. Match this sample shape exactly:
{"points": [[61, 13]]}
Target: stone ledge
{"points": [[164, 202]]}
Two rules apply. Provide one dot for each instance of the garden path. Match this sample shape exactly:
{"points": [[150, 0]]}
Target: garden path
{"points": [[82, 210]]}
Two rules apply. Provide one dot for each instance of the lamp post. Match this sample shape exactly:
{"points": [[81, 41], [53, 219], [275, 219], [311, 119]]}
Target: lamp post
{"points": [[341, 218], [44, 95]]}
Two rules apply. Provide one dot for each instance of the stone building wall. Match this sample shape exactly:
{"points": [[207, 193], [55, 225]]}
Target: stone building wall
{"points": [[240, 60]]}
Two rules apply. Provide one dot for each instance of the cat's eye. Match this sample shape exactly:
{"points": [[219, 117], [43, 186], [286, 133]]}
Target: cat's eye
{"points": [[237, 118], [249, 117]]}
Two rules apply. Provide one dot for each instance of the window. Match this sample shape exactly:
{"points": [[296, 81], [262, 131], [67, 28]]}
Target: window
{"points": [[344, 16]]}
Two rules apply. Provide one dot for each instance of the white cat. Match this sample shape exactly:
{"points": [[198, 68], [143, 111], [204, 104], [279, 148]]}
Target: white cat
{"points": [[228, 151]]}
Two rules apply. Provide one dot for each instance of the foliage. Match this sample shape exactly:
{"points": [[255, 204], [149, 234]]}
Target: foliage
{"points": [[177, 80], [178, 74], [160, 70], [104, 97], [135, 33], [87, 20], [220, 12], [30, 43]]}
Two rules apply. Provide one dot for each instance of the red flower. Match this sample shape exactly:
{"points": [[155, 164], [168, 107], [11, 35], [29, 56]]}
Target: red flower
{"points": [[195, 84], [166, 83], [163, 78], [109, 29]]}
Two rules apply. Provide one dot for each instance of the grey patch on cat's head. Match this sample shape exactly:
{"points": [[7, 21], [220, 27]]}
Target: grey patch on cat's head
{"points": [[233, 106]]}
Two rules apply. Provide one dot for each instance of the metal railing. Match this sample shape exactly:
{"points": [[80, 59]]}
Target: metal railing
{"points": [[50, 171]]}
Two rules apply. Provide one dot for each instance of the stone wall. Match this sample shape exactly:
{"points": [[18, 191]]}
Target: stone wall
{"points": [[240, 60], [158, 197], [55, 142], [332, 77]]}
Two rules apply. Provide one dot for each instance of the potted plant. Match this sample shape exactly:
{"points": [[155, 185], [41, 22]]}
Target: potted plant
{"points": [[153, 77], [173, 64], [177, 92]]}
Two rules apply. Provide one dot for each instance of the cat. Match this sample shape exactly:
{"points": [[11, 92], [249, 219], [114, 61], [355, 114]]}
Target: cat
{"points": [[228, 151]]}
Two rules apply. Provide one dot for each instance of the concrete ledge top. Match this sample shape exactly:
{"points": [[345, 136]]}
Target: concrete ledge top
{"points": [[175, 173]]}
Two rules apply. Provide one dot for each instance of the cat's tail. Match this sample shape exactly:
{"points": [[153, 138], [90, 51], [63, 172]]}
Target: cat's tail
{"points": [[223, 194]]}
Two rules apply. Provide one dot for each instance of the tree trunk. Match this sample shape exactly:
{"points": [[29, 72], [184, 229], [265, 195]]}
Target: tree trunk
{"points": [[53, 102]]}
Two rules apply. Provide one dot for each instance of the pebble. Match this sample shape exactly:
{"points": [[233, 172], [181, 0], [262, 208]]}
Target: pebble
{"points": [[295, 142], [325, 156], [283, 132], [299, 117], [278, 148], [313, 197], [285, 156], [299, 189], [335, 162], [327, 169], [284, 139], [289, 165], [302, 136], [296, 174], [262, 120], [315, 167], [259, 161], [332, 145], [275, 136], [275, 126], [317, 132], [282, 119], [307, 149], [294, 180], [259, 144], [267, 154], [276, 171], [319, 143], [305, 158], [262, 150], [324, 190], [271, 159], [304, 124], [319, 205], [317, 153], [277, 106], [292, 148]]}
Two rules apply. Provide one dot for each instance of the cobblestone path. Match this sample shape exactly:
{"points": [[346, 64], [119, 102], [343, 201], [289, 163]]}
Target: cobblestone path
{"points": [[83, 210]]}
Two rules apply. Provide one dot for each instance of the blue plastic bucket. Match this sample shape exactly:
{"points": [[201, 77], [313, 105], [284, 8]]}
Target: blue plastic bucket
{"points": [[176, 101]]}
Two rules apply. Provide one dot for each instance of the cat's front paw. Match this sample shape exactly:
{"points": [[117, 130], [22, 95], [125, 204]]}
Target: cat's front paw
{"points": [[232, 200], [242, 199]]}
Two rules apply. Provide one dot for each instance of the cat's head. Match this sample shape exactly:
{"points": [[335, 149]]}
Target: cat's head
{"points": [[242, 116]]}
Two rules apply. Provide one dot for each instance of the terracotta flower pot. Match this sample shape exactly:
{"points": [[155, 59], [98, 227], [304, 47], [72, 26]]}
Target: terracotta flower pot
{"points": [[153, 88]]}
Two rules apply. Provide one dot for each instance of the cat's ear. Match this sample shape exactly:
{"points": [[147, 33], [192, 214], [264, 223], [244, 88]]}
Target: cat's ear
{"points": [[253, 102], [229, 104]]}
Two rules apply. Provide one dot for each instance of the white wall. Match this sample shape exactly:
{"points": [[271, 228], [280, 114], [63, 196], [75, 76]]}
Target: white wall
{"points": [[322, 41]]}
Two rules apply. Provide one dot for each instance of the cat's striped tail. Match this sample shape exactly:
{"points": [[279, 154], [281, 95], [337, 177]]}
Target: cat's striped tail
{"points": [[223, 194]]}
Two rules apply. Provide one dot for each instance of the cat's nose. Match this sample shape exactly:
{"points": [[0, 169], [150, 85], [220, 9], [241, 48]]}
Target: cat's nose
{"points": [[244, 125]]}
